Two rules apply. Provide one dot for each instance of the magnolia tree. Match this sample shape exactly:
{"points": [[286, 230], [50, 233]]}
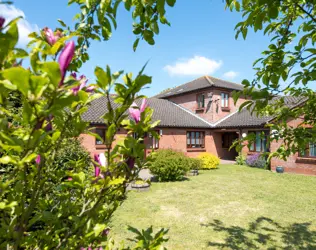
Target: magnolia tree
{"points": [[43, 205], [287, 67]]}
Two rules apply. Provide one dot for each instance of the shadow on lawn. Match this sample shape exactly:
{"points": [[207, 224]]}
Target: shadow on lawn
{"points": [[264, 233]]}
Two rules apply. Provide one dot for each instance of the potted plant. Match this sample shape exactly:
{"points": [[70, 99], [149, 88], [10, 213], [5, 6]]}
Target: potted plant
{"points": [[140, 185]]}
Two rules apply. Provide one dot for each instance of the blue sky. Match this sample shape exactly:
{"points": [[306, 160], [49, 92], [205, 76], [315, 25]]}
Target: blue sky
{"points": [[201, 40]]}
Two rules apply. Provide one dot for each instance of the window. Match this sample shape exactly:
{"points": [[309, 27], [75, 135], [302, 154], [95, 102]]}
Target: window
{"points": [[101, 133], [260, 142], [195, 139], [200, 101], [154, 142], [224, 100], [310, 150]]}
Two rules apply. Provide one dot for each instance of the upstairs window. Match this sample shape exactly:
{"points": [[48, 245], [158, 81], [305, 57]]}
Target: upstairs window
{"points": [[224, 100], [195, 139], [200, 99], [260, 143]]}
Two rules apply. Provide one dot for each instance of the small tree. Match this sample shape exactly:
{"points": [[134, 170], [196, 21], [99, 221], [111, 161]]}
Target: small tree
{"points": [[44, 203]]}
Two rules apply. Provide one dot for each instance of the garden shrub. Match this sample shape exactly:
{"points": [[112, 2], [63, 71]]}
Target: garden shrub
{"points": [[72, 154], [169, 165], [209, 161], [240, 160], [195, 163], [256, 161]]}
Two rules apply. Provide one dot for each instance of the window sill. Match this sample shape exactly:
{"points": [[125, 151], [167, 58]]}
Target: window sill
{"points": [[199, 110], [310, 160], [101, 147], [253, 152], [225, 109], [196, 150]]}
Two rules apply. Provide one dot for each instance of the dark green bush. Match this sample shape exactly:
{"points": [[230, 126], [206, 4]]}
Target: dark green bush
{"points": [[169, 165], [72, 154], [195, 163]]}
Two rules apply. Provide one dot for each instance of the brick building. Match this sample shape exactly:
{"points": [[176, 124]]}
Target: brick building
{"points": [[200, 116]]}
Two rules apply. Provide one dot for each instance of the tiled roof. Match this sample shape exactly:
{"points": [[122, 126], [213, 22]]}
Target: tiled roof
{"points": [[169, 114], [200, 83], [244, 118]]}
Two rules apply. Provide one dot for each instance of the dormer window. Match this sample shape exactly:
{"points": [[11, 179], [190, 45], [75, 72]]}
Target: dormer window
{"points": [[200, 99], [225, 100]]}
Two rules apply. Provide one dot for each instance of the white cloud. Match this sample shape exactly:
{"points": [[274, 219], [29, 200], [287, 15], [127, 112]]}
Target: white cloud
{"points": [[198, 65], [231, 74], [10, 12]]}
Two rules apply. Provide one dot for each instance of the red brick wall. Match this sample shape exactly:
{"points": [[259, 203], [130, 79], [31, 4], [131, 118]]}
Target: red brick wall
{"points": [[294, 163], [176, 139], [88, 141], [213, 111]]}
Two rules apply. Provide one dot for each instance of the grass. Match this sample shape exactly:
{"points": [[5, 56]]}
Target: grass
{"points": [[234, 207]]}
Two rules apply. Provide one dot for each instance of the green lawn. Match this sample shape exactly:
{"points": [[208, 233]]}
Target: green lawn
{"points": [[233, 207]]}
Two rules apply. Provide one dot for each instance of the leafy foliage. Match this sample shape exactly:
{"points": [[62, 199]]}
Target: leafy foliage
{"points": [[169, 165], [240, 159], [287, 67], [71, 153], [49, 199], [209, 161], [195, 163], [256, 160]]}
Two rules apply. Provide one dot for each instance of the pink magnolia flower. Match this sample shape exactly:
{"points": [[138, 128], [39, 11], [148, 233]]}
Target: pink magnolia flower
{"points": [[97, 169], [38, 160], [51, 38], [2, 20], [135, 113], [83, 81], [65, 59]]}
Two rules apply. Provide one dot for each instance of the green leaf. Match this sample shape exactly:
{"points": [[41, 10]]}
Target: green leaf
{"points": [[171, 3], [98, 228], [245, 104], [61, 22], [102, 77], [273, 12], [53, 72], [7, 84], [19, 77], [7, 159], [135, 45]]}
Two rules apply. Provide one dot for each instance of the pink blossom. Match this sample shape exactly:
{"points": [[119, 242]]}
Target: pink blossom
{"points": [[2, 20], [38, 160], [135, 113], [65, 59], [51, 38], [83, 81], [143, 106], [96, 167]]}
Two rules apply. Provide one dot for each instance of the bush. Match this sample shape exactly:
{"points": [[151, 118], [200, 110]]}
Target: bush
{"points": [[169, 165], [209, 161], [72, 154], [195, 163], [240, 159], [256, 161]]}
